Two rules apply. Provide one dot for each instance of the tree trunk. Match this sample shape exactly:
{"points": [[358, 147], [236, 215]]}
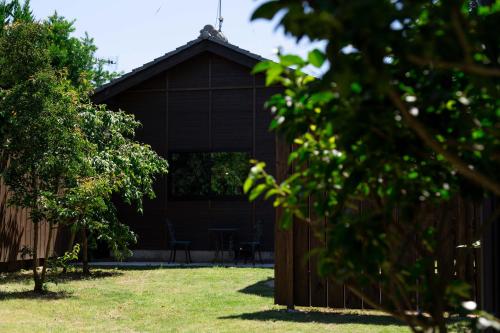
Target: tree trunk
{"points": [[439, 318], [85, 255], [71, 240], [442, 327], [47, 253], [36, 277]]}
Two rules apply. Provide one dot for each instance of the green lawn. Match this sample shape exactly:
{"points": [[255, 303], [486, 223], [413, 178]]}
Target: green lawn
{"points": [[169, 300]]}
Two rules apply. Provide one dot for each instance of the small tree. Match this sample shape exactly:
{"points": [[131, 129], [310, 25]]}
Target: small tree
{"points": [[62, 157], [44, 152], [120, 166], [405, 118]]}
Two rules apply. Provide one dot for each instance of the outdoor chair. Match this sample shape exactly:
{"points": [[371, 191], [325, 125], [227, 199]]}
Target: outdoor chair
{"points": [[252, 247], [175, 244]]}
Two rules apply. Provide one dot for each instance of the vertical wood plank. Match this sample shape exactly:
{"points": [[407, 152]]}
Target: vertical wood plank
{"points": [[460, 230], [16, 231], [490, 261], [167, 152], [372, 291], [318, 285], [336, 297], [301, 267], [254, 134], [283, 258], [352, 301], [301, 272]]}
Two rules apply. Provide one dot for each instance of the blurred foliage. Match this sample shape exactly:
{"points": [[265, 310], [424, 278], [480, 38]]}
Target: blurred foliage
{"points": [[406, 118]]}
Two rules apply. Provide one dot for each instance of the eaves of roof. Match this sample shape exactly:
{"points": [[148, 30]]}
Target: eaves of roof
{"points": [[100, 94]]}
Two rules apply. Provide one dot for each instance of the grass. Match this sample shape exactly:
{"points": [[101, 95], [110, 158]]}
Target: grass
{"points": [[212, 299]]}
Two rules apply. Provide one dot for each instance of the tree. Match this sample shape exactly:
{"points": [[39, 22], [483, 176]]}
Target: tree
{"points": [[13, 11], [120, 166], [76, 55], [407, 116], [63, 157], [43, 150]]}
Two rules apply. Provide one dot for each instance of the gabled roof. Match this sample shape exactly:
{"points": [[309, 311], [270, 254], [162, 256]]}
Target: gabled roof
{"points": [[205, 42]]}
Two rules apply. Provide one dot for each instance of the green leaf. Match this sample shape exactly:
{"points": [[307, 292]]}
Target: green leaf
{"points": [[248, 184], [440, 138], [270, 193], [322, 97], [478, 134], [316, 58], [257, 191], [267, 10], [262, 67], [356, 87], [413, 175], [450, 105], [288, 60], [286, 220], [273, 73]]}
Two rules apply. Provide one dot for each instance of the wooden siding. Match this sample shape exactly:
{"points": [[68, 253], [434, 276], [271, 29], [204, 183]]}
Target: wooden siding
{"points": [[16, 233], [302, 285], [205, 103], [188, 120], [490, 262], [232, 120], [298, 283]]}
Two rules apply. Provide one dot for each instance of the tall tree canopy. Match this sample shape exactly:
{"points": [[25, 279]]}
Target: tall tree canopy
{"points": [[76, 55], [12, 11], [407, 116]]}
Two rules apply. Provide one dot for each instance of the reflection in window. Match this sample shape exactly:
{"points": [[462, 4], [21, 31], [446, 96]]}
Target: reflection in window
{"points": [[190, 174], [217, 174]]}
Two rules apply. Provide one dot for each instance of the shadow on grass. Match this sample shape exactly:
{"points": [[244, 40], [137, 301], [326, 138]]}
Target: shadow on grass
{"points": [[318, 317], [264, 288], [131, 267], [29, 294], [98, 272], [26, 276], [77, 276]]}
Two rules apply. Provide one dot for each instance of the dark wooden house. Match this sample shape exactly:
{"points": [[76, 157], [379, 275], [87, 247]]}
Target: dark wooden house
{"points": [[203, 110]]}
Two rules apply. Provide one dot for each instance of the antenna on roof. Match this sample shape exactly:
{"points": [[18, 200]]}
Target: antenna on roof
{"points": [[220, 19]]}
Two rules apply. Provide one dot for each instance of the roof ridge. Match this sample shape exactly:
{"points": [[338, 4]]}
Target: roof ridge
{"points": [[200, 39]]}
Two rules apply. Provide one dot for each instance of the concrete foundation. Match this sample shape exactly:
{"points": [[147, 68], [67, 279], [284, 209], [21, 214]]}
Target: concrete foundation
{"points": [[196, 256]]}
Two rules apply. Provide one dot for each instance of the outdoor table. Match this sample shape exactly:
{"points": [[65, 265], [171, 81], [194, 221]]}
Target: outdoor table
{"points": [[220, 234]]}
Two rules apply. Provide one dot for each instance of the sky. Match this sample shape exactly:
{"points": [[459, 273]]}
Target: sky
{"points": [[133, 32]]}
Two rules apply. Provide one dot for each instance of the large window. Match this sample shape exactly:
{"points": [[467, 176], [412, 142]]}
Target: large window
{"points": [[208, 175]]}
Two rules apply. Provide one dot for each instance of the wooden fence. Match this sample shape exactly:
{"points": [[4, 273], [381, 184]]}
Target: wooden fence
{"points": [[16, 234], [297, 282]]}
